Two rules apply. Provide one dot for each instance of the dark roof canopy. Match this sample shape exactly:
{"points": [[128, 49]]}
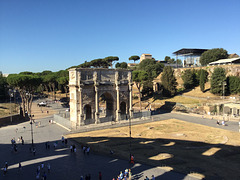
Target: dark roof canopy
{"points": [[185, 51]]}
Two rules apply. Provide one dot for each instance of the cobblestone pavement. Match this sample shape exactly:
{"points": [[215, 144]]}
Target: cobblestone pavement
{"points": [[64, 164]]}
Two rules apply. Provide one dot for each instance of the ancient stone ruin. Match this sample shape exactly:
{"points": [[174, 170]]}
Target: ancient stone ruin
{"points": [[99, 95]]}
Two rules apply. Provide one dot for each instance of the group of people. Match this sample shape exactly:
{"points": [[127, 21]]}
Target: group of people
{"points": [[73, 148], [86, 150], [221, 123], [124, 175], [152, 178], [5, 168], [41, 171], [87, 177], [14, 144]]}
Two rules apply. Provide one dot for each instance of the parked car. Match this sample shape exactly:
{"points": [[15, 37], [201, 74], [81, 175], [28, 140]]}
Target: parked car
{"points": [[43, 104]]}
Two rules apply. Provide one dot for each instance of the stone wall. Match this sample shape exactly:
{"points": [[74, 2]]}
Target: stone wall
{"points": [[5, 121]]}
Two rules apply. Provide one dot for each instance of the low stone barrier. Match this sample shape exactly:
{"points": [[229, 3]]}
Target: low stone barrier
{"points": [[11, 120]]}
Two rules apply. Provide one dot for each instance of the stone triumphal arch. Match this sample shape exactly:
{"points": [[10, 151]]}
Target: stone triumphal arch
{"points": [[99, 95]]}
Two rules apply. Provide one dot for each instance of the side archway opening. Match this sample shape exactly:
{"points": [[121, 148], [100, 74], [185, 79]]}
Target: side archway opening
{"points": [[123, 108]]}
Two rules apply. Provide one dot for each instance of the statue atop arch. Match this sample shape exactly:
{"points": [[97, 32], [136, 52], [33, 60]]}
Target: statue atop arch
{"points": [[99, 95]]}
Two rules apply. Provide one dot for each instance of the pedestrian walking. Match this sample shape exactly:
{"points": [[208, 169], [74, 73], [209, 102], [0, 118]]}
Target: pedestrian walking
{"points": [[48, 167], [44, 176], [38, 169], [19, 167], [38, 175], [62, 140], [15, 147], [88, 150], [42, 165], [153, 178], [4, 171], [6, 164], [132, 159], [84, 149], [46, 145], [34, 151], [100, 175], [129, 174]]}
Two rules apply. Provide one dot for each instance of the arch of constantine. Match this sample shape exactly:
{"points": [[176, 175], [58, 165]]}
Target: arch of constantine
{"points": [[99, 95]]}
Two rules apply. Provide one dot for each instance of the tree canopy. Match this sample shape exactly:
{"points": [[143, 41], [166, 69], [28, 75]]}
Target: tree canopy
{"points": [[169, 81], [152, 67], [134, 58], [26, 85], [233, 84], [3, 85], [217, 81], [203, 79], [189, 79], [169, 60], [122, 65], [98, 63], [213, 55], [139, 77]]}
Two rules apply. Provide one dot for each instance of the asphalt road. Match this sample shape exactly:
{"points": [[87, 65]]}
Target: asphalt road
{"points": [[230, 125]]}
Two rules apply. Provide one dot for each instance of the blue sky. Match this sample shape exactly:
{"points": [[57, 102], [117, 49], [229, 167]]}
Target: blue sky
{"points": [[38, 35]]}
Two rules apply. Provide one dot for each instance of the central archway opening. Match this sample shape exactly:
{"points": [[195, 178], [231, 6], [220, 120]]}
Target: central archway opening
{"points": [[106, 104]]}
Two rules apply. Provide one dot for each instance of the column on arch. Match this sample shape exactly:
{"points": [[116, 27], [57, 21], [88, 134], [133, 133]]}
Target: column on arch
{"points": [[81, 113], [96, 105], [118, 103], [130, 93], [130, 100]]}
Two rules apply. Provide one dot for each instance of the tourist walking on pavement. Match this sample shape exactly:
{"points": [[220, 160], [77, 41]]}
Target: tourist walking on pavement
{"points": [[44, 176], [42, 165], [19, 167], [99, 176], [6, 164], [88, 150], [4, 171], [49, 167], [129, 174], [62, 140], [34, 151]]}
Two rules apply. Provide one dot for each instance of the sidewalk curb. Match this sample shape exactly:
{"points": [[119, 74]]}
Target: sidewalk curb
{"points": [[63, 126]]}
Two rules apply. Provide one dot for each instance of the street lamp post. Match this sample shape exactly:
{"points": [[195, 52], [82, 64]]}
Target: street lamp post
{"points": [[31, 121], [31, 131], [130, 138]]}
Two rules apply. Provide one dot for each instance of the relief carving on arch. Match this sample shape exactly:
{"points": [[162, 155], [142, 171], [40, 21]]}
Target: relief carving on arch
{"points": [[123, 95], [72, 75]]}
